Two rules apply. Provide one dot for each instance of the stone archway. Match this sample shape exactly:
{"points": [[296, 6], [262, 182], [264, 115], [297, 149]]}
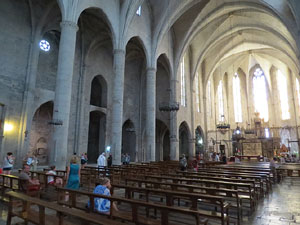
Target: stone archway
{"points": [[184, 137], [40, 133], [162, 141], [98, 92], [97, 133], [129, 140]]}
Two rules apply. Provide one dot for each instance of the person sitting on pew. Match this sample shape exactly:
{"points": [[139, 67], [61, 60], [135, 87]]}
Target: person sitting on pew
{"points": [[103, 205], [58, 181], [31, 184]]}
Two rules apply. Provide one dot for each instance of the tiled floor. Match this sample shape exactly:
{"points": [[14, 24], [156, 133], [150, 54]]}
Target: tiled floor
{"points": [[281, 207]]}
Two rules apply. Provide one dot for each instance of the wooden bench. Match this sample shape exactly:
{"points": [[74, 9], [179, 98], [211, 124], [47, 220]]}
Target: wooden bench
{"points": [[251, 170], [235, 195], [41, 218], [258, 179], [216, 183], [258, 186], [11, 182], [264, 177], [193, 197], [135, 205]]}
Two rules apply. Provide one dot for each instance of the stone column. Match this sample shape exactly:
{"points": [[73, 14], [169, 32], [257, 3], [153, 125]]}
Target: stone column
{"points": [[192, 152], [174, 142], [63, 91], [117, 107], [150, 113]]}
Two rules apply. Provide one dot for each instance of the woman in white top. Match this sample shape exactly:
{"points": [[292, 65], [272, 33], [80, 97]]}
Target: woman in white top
{"points": [[8, 163], [58, 181]]}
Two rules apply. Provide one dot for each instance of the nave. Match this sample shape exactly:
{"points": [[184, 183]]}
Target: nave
{"points": [[160, 193]]}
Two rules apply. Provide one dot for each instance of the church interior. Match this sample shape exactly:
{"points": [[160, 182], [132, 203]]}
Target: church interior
{"points": [[202, 94]]}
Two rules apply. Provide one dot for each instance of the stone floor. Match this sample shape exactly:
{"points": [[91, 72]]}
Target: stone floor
{"points": [[281, 207]]}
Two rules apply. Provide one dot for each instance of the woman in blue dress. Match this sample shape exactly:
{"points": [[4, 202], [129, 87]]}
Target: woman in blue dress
{"points": [[73, 174]]}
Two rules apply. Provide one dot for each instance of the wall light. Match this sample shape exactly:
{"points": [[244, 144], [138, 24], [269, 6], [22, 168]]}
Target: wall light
{"points": [[8, 127]]}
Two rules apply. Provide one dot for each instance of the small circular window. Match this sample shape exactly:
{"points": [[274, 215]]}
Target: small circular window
{"points": [[44, 45]]}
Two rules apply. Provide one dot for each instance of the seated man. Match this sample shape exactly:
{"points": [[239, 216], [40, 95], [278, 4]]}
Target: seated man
{"points": [[29, 184], [103, 205]]}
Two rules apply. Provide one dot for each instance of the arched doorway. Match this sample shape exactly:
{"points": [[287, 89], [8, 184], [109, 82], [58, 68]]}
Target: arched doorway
{"points": [[184, 136], [41, 132], [162, 148], [129, 140], [97, 133]]}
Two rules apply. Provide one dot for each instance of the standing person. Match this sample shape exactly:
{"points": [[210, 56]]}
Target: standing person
{"points": [[34, 162], [73, 176], [123, 159], [101, 161], [183, 162], [109, 160], [8, 163], [127, 159], [217, 158], [83, 160], [195, 164], [224, 159]]}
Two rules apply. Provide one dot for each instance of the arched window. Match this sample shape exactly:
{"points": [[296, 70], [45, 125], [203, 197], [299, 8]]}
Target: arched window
{"points": [[260, 94], [298, 91], [139, 11], [208, 98], [182, 83], [221, 101], [197, 92], [237, 98], [283, 93]]}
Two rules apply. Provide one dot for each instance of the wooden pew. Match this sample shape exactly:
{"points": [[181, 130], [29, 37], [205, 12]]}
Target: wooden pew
{"points": [[194, 197], [258, 186], [236, 195], [41, 218], [135, 205], [263, 176], [287, 169], [251, 170], [258, 179], [11, 182], [216, 183]]}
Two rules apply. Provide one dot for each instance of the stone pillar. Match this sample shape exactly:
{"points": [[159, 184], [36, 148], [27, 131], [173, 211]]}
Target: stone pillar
{"points": [[117, 107], [63, 91], [150, 113], [174, 142], [192, 152]]}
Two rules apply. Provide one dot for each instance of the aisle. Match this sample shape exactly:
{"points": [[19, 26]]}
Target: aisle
{"points": [[281, 207]]}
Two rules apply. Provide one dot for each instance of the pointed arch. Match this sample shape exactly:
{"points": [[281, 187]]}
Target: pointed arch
{"points": [[184, 139]]}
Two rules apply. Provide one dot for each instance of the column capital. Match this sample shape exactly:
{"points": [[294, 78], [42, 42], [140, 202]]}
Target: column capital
{"points": [[67, 23], [119, 51], [151, 69]]}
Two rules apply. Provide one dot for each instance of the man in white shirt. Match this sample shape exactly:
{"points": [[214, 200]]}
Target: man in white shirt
{"points": [[101, 161]]}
